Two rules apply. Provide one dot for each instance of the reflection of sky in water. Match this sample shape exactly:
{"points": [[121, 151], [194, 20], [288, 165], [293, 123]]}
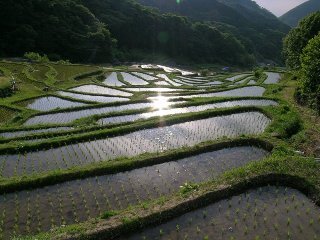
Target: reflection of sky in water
{"points": [[164, 108]]}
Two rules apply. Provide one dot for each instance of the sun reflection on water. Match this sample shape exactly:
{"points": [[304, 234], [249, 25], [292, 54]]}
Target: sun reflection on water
{"points": [[160, 103]]}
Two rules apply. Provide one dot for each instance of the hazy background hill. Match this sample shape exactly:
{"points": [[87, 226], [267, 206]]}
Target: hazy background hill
{"points": [[293, 17]]}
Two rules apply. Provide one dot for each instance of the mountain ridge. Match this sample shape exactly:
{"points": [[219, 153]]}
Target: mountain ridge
{"points": [[252, 23], [293, 17]]}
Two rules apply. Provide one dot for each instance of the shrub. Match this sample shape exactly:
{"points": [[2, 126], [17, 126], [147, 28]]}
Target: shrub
{"points": [[258, 73], [36, 57], [310, 70], [298, 38]]}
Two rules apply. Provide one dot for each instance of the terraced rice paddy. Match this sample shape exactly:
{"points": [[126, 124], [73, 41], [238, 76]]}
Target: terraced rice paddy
{"points": [[264, 213], [272, 78], [75, 159], [133, 80], [95, 89], [112, 80], [159, 90], [253, 91], [145, 76], [93, 98], [51, 103], [68, 117], [149, 140], [237, 77], [79, 200], [192, 109], [162, 83], [165, 77], [23, 133]]}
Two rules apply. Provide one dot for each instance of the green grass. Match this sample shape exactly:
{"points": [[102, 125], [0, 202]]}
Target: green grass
{"points": [[6, 115], [4, 82], [67, 72]]}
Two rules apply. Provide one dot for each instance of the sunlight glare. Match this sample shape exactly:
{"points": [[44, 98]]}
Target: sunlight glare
{"points": [[160, 103]]}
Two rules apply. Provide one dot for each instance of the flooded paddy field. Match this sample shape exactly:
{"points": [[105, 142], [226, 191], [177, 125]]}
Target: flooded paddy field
{"points": [[51, 103], [149, 140], [112, 80], [91, 140], [192, 109], [13, 134], [96, 89], [264, 213], [68, 117], [272, 78], [93, 98], [77, 201]]}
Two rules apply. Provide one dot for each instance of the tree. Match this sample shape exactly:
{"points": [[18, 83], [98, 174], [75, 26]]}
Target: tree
{"points": [[298, 38], [310, 70]]}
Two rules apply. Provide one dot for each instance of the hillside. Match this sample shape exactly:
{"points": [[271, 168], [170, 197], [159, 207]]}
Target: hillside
{"points": [[142, 31], [62, 29], [293, 17], [123, 30], [248, 21]]}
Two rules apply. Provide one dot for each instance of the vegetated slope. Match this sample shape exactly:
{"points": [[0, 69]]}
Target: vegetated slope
{"points": [[59, 28], [87, 31], [259, 30], [142, 30], [293, 17]]}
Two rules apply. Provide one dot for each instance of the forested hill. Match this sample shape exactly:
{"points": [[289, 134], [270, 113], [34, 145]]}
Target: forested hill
{"points": [[108, 30], [293, 17], [60, 28], [257, 28]]}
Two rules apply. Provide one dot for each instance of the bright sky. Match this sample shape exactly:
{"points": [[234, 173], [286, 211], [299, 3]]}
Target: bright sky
{"points": [[279, 7]]}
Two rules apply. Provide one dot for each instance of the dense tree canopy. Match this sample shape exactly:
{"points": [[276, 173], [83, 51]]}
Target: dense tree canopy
{"points": [[310, 69], [138, 27], [106, 30], [298, 38], [55, 27], [257, 29]]}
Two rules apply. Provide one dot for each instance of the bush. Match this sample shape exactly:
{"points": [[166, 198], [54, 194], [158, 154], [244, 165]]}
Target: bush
{"points": [[36, 57], [310, 70], [298, 38], [204, 72], [258, 72]]}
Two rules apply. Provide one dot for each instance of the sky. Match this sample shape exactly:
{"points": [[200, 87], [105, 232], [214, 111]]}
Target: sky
{"points": [[279, 7]]}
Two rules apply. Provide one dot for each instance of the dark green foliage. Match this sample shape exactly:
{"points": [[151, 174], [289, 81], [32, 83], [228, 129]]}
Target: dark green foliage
{"points": [[36, 57], [5, 92], [87, 75], [301, 48], [258, 72], [293, 17], [108, 214], [64, 28], [139, 28], [257, 29], [299, 37], [310, 69], [79, 30]]}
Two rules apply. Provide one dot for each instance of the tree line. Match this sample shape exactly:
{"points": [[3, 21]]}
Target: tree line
{"points": [[302, 53], [108, 30]]}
